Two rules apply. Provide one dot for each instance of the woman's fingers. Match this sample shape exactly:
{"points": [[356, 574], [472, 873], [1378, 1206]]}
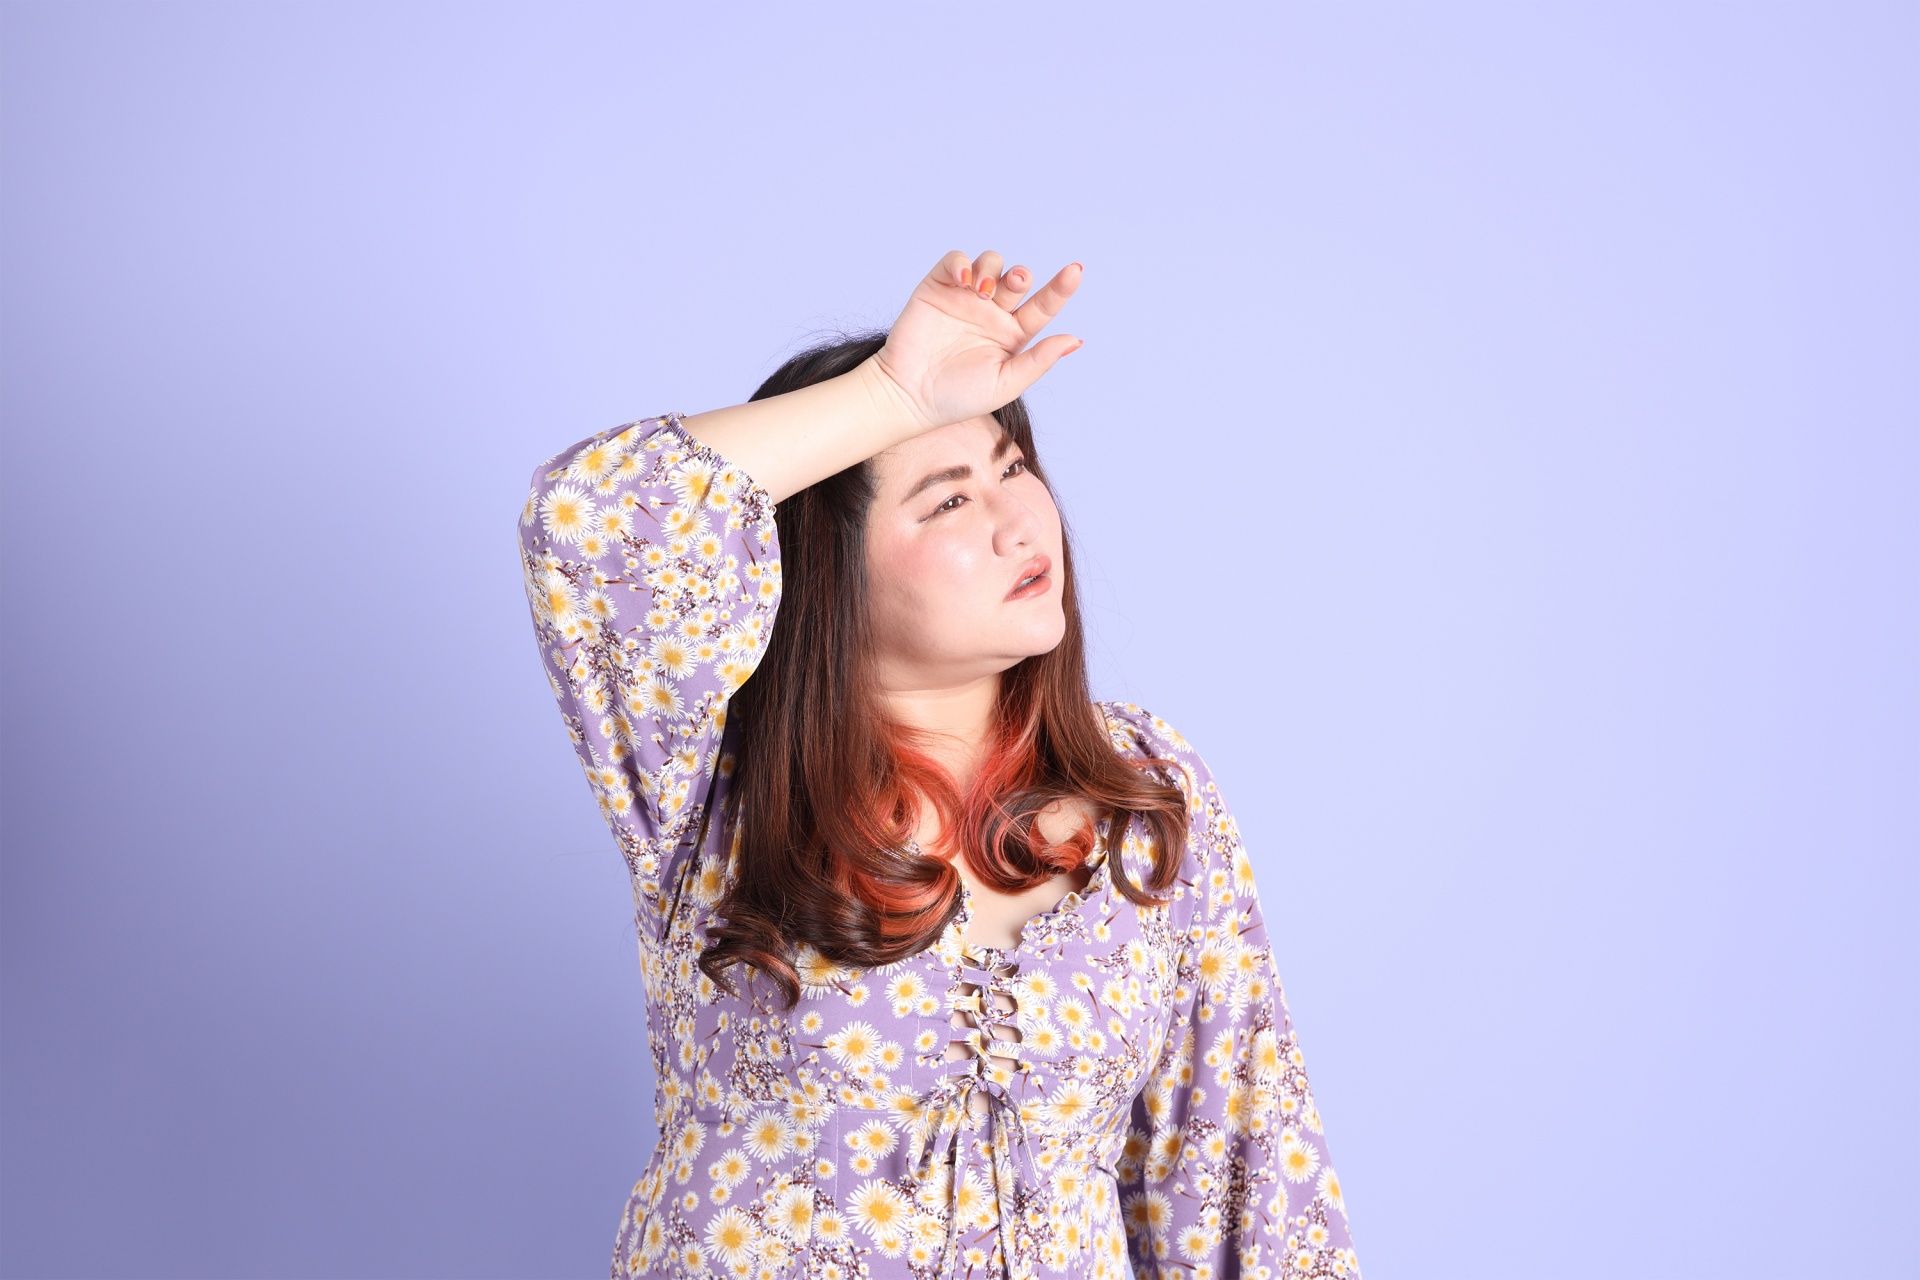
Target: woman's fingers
{"points": [[1039, 310], [1025, 369], [982, 276], [954, 267], [1012, 287], [986, 273]]}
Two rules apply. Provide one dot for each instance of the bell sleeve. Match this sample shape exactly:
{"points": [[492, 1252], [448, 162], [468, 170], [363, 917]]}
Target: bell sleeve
{"points": [[652, 570], [1226, 1170]]}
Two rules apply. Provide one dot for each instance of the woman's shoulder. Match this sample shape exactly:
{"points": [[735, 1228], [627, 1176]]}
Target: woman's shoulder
{"points": [[1207, 853], [1142, 734], [1134, 727]]}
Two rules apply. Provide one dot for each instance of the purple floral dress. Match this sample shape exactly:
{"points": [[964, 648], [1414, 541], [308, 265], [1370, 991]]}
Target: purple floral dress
{"points": [[1120, 1094]]}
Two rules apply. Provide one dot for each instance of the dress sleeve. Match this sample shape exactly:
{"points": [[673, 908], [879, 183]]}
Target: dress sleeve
{"points": [[652, 568], [1226, 1170]]}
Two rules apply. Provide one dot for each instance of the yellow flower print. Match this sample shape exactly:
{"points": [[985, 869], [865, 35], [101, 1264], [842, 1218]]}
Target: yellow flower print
{"points": [[1043, 1038], [568, 514], [1299, 1159], [730, 1235], [1330, 1191], [733, 673], [769, 1136], [790, 1212], [905, 991], [624, 474], [1197, 1241], [674, 655], [1070, 1103], [598, 461], [600, 607], [854, 1044], [679, 522], [555, 597], [878, 1209]]}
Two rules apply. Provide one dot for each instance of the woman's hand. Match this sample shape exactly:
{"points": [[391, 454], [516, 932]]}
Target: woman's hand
{"points": [[955, 351]]}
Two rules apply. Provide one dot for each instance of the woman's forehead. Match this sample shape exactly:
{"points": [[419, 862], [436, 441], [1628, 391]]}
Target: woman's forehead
{"points": [[970, 441]]}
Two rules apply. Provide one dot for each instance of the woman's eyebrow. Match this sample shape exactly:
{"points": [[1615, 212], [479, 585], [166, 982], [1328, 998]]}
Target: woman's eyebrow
{"points": [[959, 471]]}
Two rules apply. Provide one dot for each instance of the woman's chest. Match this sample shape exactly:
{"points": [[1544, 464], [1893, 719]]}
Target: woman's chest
{"points": [[1069, 1011]]}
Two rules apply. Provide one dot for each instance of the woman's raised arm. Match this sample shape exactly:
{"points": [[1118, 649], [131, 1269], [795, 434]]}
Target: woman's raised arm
{"points": [[652, 570], [957, 350]]}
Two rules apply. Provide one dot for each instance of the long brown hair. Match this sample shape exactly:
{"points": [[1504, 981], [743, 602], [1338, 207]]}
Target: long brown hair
{"points": [[824, 780]]}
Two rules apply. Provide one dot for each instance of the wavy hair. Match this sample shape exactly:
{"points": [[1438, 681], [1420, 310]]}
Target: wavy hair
{"points": [[826, 783]]}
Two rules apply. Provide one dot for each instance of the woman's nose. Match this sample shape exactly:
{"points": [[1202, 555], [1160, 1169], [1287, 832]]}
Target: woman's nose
{"points": [[1016, 521]]}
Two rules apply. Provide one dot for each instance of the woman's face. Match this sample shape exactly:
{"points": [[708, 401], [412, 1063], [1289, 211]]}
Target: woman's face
{"points": [[943, 554]]}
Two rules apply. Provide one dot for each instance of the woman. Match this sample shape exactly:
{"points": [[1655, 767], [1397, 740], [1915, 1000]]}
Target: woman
{"points": [[951, 969]]}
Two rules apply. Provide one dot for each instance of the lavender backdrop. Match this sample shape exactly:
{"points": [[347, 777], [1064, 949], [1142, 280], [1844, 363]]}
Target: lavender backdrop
{"points": [[1528, 389]]}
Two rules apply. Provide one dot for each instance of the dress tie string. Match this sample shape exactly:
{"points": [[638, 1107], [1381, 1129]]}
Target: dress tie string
{"points": [[1010, 1139], [1007, 1130]]}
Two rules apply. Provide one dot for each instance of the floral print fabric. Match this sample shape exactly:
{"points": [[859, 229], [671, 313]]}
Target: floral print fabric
{"points": [[1120, 1094]]}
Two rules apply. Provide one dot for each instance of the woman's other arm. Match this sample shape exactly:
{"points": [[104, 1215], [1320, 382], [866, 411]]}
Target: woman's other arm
{"points": [[1227, 1168]]}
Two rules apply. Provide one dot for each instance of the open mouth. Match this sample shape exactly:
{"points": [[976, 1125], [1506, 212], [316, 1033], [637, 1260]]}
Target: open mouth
{"points": [[1034, 580]]}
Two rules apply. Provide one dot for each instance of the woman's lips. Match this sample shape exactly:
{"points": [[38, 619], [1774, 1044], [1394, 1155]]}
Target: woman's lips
{"points": [[1038, 587], [1039, 568]]}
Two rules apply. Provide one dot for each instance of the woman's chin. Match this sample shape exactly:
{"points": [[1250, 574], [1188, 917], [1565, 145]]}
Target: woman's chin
{"points": [[1044, 637]]}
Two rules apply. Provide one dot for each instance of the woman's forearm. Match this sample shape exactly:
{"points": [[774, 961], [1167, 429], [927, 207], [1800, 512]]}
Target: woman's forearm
{"points": [[787, 442]]}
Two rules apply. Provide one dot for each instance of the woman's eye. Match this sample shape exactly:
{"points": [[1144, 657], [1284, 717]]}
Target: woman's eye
{"points": [[948, 505]]}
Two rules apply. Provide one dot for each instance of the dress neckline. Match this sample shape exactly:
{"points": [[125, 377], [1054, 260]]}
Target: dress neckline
{"points": [[1070, 901]]}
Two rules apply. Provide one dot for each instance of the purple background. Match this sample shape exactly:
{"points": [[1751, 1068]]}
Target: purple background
{"points": [[1495, 447]]}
